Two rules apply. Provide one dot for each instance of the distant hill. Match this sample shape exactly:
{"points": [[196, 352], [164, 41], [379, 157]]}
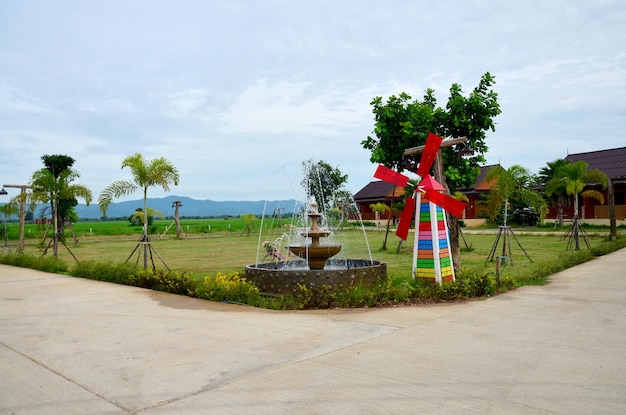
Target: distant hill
{"points": [[190, 207]]}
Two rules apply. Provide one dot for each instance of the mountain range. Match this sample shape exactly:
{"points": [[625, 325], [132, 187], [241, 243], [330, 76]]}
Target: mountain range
{"points": [[191, 207]]}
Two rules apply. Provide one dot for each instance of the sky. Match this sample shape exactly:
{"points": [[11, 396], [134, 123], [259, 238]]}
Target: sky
{"points": [[237, 94]]}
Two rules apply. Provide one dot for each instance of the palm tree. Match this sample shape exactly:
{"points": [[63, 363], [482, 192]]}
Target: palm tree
{"points": [[511, 183], [573, 177], [508, 184], [558, 195], [7, 209], [379, 208], [50, 188], [146, 173], [248, 218], [138, 216]]}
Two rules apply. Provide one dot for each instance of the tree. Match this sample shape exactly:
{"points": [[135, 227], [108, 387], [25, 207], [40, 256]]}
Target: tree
{"points": [[379, 208], [558, 194], [248, 218], [146, 173], [7, 210], [512, 184], [57, 164], [402, 123], [138, 217], [53, 187], [323, 182], [574, 177]]}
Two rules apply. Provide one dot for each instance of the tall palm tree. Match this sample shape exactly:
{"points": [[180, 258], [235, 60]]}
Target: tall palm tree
{"points": [[573, 177], [146, 173], [50, 188]]}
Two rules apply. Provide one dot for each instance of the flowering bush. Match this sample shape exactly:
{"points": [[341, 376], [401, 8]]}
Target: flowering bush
{"points": [[231, 287]]}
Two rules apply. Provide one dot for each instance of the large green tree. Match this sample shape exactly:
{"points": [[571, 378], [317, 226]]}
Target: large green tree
{"points": [[402, 123], [146, 173], [53, 187], [57, 164], [324, 183]]}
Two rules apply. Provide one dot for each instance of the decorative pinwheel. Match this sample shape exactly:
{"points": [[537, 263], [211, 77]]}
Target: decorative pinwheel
{"points": [[431, 255]]}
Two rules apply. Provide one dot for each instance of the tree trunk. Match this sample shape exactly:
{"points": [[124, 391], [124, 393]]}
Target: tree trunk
{"points": [[455, 245], [453, 222], [399, 245], [612, 218], [576, 222], [60, 227], [145, 228], [55, 218], [393, 194]]}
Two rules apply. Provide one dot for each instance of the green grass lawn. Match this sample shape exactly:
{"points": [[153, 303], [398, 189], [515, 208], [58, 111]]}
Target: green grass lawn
{"points": [[222, 245], [220, 250]]}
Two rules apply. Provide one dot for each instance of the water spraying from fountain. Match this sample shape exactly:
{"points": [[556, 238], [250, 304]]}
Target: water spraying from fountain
{"points": [[313, 248], [315, 253]]}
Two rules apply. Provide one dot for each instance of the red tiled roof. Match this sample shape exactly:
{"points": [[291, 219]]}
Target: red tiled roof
{"points": [[612, 161], [481, 183]]}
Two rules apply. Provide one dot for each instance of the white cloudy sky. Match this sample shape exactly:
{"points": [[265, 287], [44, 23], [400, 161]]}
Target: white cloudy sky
{"points": [[238, 93]]}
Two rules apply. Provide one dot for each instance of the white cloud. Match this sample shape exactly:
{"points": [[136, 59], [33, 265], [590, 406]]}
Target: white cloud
{"points": [[17, 100], [299, 108], [186, 102], [233, 91]]}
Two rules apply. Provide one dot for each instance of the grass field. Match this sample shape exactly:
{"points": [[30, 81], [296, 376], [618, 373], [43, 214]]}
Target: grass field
{"points": [[223, 245], [116, 228]]}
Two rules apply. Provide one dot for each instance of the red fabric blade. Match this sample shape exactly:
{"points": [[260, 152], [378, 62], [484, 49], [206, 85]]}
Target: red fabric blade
{"points": [[405, 220], [430, 153], [448, 203], [391, 176]]}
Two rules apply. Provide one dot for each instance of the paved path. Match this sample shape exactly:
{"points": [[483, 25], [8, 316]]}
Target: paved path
{"points": [[74, 346]]}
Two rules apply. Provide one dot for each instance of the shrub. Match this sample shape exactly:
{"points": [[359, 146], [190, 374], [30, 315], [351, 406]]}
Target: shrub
{"points": [[609, 246], [46, 263], [313, 297], [166, 281], [475, 283], [105, 271], [231, 287]]}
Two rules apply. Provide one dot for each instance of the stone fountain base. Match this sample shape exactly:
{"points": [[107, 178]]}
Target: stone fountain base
{"points": [[283, 277]]}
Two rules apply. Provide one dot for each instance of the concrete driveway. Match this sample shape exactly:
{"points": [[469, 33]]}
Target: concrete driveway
{"points": [[74, 346]]}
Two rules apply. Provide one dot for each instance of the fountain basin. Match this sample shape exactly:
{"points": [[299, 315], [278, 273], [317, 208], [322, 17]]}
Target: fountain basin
{"points": [[283, 277], [317, 255]]}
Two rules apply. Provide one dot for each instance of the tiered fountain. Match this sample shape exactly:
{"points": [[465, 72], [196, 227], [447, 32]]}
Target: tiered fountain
{"points": [[313, 265], [315, 253]]}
